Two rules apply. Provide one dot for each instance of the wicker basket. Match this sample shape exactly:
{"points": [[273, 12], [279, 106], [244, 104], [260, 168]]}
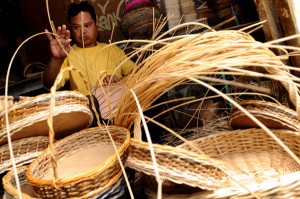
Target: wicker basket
{"points": [[25, 150], [272, 115], [138, 23], [250, 158], [10, 187], [177, 165], [86, 164], [29, 117], [108, 98]]}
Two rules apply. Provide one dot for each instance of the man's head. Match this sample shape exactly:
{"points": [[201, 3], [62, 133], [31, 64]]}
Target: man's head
{"points": [[83, 23]]}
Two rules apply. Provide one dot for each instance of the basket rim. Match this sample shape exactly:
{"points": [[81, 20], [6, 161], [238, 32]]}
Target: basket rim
{"points": [[8, 187], [81, 177]]}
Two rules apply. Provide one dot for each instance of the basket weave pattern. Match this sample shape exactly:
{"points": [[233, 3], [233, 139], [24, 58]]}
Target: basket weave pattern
{"points": [[177, 165], [81, 185], [25, 150]]}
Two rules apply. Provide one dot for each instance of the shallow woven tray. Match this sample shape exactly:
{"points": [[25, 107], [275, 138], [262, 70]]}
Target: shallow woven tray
{"points": [[249, 156], [25, 150], [271, 114], [29, 117], [10, 187], [87, 164]]}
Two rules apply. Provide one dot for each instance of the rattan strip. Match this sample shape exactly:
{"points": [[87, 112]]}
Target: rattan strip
{"points": [[25, 150], [81, 185], [177, 165]]}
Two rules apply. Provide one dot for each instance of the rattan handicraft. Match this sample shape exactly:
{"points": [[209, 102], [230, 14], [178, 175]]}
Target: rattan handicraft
{"points": [[86, 164], [249, 160], [10, 187], [29, 117], [271, 114], [25, 151]]}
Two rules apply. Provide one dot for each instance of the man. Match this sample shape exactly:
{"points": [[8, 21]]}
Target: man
{"points": [[96, 63]]}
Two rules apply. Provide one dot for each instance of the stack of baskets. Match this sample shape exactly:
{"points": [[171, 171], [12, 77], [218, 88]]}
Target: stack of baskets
{"points": [[29, 131]]}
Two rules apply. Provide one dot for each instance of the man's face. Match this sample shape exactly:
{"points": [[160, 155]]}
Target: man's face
{"points": [[84, 30]]}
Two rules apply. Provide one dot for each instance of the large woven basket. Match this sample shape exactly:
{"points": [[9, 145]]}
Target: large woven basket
{"points": [[272, 115], [86, 164], [139, 23], [251, 159], [25, 150], [10, 187], [29, 117]]}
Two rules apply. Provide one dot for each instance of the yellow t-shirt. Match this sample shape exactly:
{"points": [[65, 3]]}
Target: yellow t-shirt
{"points": [[93, 64]]}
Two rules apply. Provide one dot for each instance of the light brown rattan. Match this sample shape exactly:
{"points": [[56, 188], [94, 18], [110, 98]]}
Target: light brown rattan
{"points": [[10, 187], [25, 150], [250, 158], [177, 165], [108, 98], [272, 115], [85, 184], [10, 101], [29, 117]]}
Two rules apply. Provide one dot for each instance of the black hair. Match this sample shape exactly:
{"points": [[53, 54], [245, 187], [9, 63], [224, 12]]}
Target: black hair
{"points": [[84, 6]]}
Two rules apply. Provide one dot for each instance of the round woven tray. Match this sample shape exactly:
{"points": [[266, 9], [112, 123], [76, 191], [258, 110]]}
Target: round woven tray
{"points": [[271, 114], [29, 117], [25, 150], [250, 158], [86, 164], [10, 187]]}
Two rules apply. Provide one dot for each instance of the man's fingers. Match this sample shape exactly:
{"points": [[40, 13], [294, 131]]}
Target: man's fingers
{"points": [[49, 36]]}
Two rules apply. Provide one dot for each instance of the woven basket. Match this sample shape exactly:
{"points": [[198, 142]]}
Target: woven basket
{"points": [[10, 187], [176, 165], [138, 23], [86, 164], [272, 115], [25, 150], [29, 117], [250, 158], [108, 98]]}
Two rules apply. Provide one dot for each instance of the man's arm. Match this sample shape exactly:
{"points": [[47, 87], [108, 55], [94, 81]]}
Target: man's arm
{"points": [[58, 55]]}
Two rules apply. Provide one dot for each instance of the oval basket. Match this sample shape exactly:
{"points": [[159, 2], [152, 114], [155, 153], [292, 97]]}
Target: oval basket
{"points": [[10, 187], [272, 115], [25, 151], [139, 23], [86, 164], [249, 158], [29, 117], [253, 160]]}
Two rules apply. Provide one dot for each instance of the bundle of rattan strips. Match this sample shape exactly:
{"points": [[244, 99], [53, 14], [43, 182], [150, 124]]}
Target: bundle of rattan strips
{"points": [[239, 161], [29, 117], [272, 115]]}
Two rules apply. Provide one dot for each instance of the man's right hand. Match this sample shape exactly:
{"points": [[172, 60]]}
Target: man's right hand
{"points": [[63, 35]]}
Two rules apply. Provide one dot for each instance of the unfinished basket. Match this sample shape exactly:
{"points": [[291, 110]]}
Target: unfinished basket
{"points": [[29, 117], [10, 187], [250, 159], [108, 98], [25, 150], [86, 164], [272, 115]]}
